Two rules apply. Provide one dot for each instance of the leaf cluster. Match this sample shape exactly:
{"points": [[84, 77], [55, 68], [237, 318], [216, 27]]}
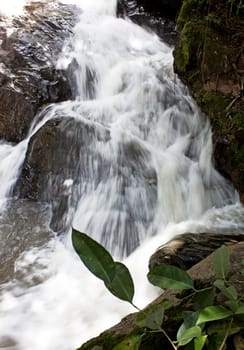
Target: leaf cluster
{"points": [[207, 327]]}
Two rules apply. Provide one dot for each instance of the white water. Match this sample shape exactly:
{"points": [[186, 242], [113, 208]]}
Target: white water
{"points": [[159, 181]]}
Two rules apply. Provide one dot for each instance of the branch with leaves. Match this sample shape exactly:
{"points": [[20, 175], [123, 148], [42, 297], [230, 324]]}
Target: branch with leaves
{"points": [[198, 328]]}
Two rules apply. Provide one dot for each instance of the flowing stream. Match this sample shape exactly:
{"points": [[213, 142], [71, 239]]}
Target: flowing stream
{"points": [[143, 175]]}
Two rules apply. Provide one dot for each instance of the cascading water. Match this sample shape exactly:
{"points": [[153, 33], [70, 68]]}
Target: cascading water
{"points": [[143, 173]]}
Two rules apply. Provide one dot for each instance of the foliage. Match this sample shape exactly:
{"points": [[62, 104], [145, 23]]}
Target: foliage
{"points": [[98, 260], [212, 323]]}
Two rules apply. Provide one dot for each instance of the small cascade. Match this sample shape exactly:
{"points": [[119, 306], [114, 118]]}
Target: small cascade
{"points": [[12, 158]]}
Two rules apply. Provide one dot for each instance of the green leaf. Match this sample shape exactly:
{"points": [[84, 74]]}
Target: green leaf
{"points": [[190, 333], [200, 342], [215, 342], [229, 292], [152, 317], [224, 326], [130, 343], [170, 277], [232, 305], [96, 258], [190, 319], [97, 347], [213, 313], [221, 262], [122, 285], [205, 297], [240, 310]]}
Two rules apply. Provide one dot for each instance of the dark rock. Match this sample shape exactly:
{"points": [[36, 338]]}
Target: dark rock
{"points": [[164, 26], [29, 78], [166, 8], [16, 114], [188, 249], [69, 149], [58, 152]]}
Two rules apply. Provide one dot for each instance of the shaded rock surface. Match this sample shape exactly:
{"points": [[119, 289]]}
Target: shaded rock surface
{"points": [[158, 22], [167, 8], [29, 47], [210, 60], [188, 249]]}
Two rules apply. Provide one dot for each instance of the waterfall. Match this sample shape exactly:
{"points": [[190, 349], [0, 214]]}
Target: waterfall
{"points": [[134, 169]]}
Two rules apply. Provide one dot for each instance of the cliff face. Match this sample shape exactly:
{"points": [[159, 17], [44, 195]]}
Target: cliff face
{"points": [[209, 58]]}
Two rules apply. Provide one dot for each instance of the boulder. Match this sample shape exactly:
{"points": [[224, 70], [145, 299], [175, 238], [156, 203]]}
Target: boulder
{"points": [[29, 49], [57, 152], [188, 249], [65, 159]]}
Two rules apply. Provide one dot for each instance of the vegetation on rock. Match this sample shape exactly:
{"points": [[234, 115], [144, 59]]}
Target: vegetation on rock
{"points": [[191, 314], [210, 59]]}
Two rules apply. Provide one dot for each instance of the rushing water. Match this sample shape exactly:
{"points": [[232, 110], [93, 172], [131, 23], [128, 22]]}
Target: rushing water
{"points": [[145, 176]]}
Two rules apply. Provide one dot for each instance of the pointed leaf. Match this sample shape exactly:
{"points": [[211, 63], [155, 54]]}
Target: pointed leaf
{"points": [[188, 335], [170, 277], [96, 258], [213, 313], [122, 285], [205, 298], [229, 292], [152, 317], [200, 342], [221, 261], [232, 305], [130, 343], [190, 319], [240, 310], [221, 328]]}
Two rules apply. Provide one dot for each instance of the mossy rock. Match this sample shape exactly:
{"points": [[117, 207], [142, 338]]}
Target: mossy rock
{"points": [[209, 59]]}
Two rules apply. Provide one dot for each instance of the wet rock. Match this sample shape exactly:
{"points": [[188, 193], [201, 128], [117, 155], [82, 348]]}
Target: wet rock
{"points": [[160, 23], [163, 8], [17, 221], [16, 114], [29, 49], [188, 249], [65, 159], [167, 8], [56, 153]]}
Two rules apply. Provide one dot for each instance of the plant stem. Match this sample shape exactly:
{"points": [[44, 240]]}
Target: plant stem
{"points": [[135, 306], [226, 336], [168, 338]]}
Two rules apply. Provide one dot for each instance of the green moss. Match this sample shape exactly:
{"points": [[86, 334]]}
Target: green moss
{"points": [[213, 104], [236, 115], [190, 45], [213, 54], [191, 9]]}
